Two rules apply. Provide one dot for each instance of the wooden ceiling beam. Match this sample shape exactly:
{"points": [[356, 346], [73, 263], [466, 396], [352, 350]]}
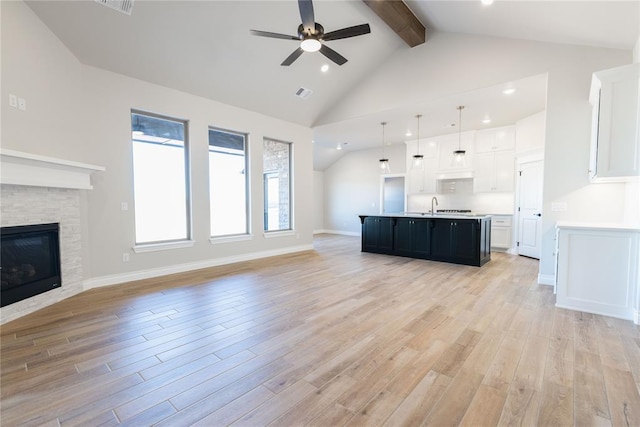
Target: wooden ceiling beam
{"points": [[400, 19]]}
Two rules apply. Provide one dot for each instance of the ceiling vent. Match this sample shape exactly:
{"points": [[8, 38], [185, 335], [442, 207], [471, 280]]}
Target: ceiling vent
{"points": [[124, 6], [303, 93]]}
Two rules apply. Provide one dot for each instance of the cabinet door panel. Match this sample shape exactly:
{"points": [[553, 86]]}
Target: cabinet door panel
{"points": [[403, 236], [386, 234], [483, 176], [441, 239], [421, 238], [464, 240], [504, 170]]}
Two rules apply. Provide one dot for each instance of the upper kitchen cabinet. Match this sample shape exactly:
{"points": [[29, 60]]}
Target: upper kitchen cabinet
{"points": [[494, 172], [615, 135], [494, 167], [496, 139]]}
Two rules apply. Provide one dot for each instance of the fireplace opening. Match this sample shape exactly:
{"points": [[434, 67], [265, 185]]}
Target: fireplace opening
{"points": [[29, 261]]}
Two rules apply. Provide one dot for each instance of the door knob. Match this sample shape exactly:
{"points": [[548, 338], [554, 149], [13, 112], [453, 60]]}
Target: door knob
{"points": [[538, 214]]}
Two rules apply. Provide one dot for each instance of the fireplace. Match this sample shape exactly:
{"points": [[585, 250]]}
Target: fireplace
{"points": [[29, 261]]}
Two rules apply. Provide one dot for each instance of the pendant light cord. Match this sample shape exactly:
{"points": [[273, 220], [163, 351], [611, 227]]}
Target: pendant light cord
{"points": [[460, 127]]}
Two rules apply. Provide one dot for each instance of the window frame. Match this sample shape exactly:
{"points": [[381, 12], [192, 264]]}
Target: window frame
{"points": [[187, 241], [247, 188]]}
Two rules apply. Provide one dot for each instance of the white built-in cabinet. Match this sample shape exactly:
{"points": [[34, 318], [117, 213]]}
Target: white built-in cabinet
{"points": [[496, 139], [597, 269], [615, 133], [489, 159], [501, 226], [494, 160]]}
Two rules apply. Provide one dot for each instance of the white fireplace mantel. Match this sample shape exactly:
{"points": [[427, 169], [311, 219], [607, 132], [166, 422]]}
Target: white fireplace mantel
{"points": [[40, 171]]}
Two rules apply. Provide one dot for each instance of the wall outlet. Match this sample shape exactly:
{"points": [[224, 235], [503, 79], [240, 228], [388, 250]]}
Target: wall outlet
{"points": [[124, 206], [125, 257], [22, 104]]}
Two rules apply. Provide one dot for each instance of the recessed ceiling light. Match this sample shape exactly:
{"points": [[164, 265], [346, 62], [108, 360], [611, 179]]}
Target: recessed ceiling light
{"points": [[509, 91], [486, 2], [408, 133], [486, 120], [339, 147], [324, 68]]}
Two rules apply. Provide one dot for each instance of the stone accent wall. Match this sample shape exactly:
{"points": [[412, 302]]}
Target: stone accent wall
{"points": [[25, 205]]}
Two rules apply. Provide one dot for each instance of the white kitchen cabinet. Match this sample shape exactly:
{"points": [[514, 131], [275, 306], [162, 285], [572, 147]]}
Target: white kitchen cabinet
{"points": [[494, 172], [597, 269], [495, 139], [501, 227], [615, 128]]}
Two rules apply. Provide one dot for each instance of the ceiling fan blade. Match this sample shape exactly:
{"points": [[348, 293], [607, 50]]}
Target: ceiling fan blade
{"points": [[332, 55], [306, 13], [273, 35], [344, 33], [295, 55]]}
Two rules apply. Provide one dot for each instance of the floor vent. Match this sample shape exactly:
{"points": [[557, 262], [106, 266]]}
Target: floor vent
{"points": [[303, 93], [124, 6]]}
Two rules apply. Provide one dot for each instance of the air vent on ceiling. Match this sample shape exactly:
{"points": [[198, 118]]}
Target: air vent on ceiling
{"points": [[303, 93], [124, 6]]}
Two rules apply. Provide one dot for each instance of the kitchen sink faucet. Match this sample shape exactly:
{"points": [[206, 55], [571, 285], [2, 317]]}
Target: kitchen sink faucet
{"points": [[433, 199]]}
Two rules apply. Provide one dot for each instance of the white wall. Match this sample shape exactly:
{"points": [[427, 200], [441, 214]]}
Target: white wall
{"points": [[318, 201], [82, 113], [450, 64], [530, 133], [352, 186]]}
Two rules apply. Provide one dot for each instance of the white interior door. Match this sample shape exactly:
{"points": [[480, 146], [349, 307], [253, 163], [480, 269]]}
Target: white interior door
{"points": [[530, 209]]}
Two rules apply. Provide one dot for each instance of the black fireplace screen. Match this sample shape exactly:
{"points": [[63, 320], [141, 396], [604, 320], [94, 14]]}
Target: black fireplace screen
{"points": [[29, 261]]}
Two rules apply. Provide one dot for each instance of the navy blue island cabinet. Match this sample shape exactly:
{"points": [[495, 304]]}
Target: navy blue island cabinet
{"points": [[459, 239]]}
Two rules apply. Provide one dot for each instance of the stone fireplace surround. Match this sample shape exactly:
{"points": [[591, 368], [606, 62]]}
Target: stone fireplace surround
{"points": [[37, 190]]}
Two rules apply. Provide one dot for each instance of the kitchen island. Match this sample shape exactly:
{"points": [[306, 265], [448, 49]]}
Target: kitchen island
{"points": [[459, 239]]}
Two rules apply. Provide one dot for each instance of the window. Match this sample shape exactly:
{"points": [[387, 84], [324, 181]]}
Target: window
{"points": [[161, 187], [228, 183], [277, 185]]}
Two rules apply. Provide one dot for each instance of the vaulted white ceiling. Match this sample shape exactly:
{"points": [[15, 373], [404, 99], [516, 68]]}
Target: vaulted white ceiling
{"points": [[205, 48]]}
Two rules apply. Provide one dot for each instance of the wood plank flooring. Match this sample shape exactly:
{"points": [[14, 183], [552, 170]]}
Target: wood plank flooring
{"points": [[324, 338]]}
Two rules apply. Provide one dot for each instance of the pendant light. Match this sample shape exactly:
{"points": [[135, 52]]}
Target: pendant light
{"points": [[458, 154], [384, 162], [418, 159]]}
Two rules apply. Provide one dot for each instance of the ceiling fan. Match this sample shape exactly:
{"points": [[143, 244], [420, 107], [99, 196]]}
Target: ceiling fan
{"points": [[311, 36]]}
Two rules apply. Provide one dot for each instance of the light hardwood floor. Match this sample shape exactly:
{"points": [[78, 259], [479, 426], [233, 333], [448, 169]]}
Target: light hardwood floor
{"points": [[327, 337]]}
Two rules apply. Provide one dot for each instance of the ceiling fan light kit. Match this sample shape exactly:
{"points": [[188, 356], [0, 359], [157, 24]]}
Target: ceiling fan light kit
{"points": [[311, 36]]}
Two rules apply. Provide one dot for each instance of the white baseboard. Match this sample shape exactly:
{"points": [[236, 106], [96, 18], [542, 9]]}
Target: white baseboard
{"points": [[343, 233], [115, 279], [636, 317], [547, 279]]}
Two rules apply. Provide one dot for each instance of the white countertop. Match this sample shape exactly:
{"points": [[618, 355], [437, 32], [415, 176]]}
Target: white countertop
{"points": [[427, 215], [598, 226]]}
